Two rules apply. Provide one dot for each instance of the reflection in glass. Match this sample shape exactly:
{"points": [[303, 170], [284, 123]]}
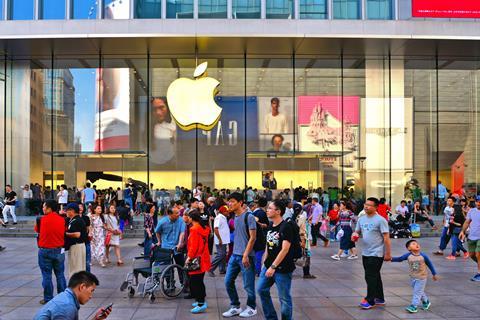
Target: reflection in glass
{"points": [[346, 9], [279, 9], [116, 9], [379, 9], [51, 9], [180, 9], [313, 9], [21, 10], [246, 9], [212, 9], [148, 9], [1, 10], [84, 9]]}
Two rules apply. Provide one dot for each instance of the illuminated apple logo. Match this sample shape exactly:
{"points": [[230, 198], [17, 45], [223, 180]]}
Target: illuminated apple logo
{"points": [[192, 103]]}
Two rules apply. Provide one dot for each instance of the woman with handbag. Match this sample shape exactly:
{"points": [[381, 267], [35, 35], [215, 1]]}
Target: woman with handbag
{"points": [[98, 235], [198, 260], [112, 238]]}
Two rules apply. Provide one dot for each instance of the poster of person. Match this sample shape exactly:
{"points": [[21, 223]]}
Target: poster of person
{"points": [[163, 131], [268, 180], [320, 123], [275, 122]]}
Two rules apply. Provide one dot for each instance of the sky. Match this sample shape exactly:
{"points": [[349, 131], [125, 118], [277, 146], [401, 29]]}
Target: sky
{"points": [[84, 83]]}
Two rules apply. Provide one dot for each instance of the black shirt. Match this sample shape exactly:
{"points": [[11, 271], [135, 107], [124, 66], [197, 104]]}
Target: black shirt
{"points": [[9, 196], [76, 224], [123, 213], [86, 220], [275, 237]]}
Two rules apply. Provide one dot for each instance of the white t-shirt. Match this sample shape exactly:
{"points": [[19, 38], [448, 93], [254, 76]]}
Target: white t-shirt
{"points": [[27, 194], [221, 223], [402, 210], [63, 197], [276, 124], [197, 194], [448, 214]]}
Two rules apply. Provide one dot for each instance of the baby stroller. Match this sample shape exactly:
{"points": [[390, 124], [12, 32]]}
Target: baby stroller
{"points": [[160, 272], [399, 227]]}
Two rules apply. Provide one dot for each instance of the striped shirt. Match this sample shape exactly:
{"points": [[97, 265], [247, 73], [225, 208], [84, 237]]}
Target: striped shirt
{"points": [[346, 217]]}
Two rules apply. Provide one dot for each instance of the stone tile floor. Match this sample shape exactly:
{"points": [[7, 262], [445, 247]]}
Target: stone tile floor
{"points": [[334, 295]]}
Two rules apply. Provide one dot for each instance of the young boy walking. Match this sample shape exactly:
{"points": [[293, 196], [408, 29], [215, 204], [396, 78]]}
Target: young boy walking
{"points": [[418, 263]]}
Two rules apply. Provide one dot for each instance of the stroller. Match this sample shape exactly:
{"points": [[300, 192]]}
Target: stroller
{"points": [[160, 272], [400, 227]]}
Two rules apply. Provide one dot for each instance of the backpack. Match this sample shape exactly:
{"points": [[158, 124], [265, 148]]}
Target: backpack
{"points": [[295, 248], [261, 240]]}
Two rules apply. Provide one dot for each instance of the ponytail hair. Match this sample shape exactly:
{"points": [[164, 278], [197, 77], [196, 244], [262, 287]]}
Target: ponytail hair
{"points": [[194, 214]]}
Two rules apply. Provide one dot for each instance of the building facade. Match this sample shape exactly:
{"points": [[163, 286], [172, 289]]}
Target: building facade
{"points": [[361, 95]]}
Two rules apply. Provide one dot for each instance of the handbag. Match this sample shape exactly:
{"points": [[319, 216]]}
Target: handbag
{"points": [[193, 265], [108, 238], [303, 261]]}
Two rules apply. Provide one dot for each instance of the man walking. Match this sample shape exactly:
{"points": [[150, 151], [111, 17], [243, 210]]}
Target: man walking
{"points": [[278, 265], [51, 254], [473, 221], [317, 212], [10, 200], [376, 249], [222, 240], [448, 214], [242, 259], [76, 236], [88, 195], [170, 232]]}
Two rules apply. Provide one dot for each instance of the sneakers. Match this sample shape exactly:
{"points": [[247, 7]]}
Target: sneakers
{"points": [[353, 257], [233, 311], [451, 258], [199, 309], [309, 276], [2, 248], [343, 255], [411, 309], [379, 302], [438, 253], [476, 277], [426, 305], [248, 312], [466, 255], [365, 305], [335, 257]]}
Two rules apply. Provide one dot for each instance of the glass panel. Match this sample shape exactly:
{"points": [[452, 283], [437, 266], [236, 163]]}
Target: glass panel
{"points": [[279, 9], [148, 9], [347, 9], [246, 9], [21, 10], [180, 9], [51, 9], [380, 9], [212, 9], [3, 83], [84, 9], [2, 3], [116, 9], [313, 9]]}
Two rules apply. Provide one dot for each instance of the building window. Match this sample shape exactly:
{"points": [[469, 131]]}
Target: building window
{"points": [[379, 9], [180, 9], [83, 9], [21, 10], [313, 9], [116, 9], [2, 3], [212, 9], [148, 9], [347, 9], [246, 9], [279, 9], [51, 9]]}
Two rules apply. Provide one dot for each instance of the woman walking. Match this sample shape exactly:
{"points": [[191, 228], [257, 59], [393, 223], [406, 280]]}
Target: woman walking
{"points": [[346, 220], [198, 249], [98, 235], [113, 232]]}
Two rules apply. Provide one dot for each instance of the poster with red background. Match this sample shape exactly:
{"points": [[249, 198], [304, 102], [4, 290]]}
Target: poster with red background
{"points": [[446, 8]]}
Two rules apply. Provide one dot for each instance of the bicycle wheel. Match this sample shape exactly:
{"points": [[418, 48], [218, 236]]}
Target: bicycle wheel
{"points": [[172, 281]]}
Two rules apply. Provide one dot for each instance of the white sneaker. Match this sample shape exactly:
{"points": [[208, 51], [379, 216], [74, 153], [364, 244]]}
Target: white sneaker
{"points": [[248, 312], [353, 257], [233, 311], [343, 255], [335, 257]]}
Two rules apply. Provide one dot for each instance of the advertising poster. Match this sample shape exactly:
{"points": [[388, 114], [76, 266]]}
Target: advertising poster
{"points": [[446, 8], [275, 122]]}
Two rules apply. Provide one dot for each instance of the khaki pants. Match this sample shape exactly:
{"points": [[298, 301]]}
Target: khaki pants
{"points": [[76, 259]]}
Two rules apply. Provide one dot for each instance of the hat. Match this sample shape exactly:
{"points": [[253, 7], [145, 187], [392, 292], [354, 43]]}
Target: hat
{"points": [[478, 198], [223, 209], [73, 206]]}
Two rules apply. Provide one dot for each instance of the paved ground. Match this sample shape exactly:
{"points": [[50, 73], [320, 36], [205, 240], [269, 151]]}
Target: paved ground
{"points": [[333, 295]]}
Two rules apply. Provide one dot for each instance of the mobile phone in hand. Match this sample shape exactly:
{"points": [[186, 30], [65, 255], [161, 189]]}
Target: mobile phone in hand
{"points": [[104, 312]]}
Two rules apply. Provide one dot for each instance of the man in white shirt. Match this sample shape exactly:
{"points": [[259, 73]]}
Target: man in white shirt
{"points": [[28, 199], [222, 240], [197, 192], [402, 211], [275, 122], [445, 238]]}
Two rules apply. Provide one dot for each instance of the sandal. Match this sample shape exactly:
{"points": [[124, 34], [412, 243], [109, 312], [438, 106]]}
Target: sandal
{"points": [[120, 263]]}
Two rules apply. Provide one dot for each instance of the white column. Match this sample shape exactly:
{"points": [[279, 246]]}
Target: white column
{"points": [[263, 9], [395, 8], [131, 13], [36, 8], [364, 10], [229, 9], [164, 9], [296, 8], [100, 9], [330, 9], [67, 9], [195, 9]]}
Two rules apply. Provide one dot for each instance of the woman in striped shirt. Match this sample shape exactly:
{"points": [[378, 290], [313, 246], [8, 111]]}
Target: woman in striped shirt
{"points": [[346, 220]]}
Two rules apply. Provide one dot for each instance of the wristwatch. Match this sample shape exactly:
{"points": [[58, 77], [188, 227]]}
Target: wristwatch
{"points": [[273, 266]]}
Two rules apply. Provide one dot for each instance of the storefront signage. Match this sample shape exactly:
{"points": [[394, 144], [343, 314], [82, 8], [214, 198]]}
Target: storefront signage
{"points": [[446, 9], [192, 103]]}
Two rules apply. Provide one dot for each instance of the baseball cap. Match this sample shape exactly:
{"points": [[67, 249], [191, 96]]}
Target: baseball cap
{"points": [[73, 206]]}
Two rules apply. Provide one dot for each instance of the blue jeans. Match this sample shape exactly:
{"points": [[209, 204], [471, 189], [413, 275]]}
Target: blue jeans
{"points": [[258, 261], [457, 244], [283, 281], [147, 245], [419, 295], [333, 234], [444, 239], [235, 266], [88, 255], [52, 260]]}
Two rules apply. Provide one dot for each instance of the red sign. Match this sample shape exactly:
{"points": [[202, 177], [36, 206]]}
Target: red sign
{"points": [[446, 8]]}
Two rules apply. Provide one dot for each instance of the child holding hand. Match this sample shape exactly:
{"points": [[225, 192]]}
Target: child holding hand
{"points": [[418, 263]]}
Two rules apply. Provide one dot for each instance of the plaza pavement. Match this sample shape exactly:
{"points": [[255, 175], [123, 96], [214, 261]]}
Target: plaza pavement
{"points": [[334, 295]]}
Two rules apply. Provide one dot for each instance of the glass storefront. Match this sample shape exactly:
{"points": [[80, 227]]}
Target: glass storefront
{"points": [[359, 125], [147, 9], [51, 9]]}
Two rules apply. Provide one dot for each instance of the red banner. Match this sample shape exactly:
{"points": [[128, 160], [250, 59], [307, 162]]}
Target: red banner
{"points": [[446, 8]]}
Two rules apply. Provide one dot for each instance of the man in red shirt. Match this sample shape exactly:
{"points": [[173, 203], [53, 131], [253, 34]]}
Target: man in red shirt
{"points": [[51, 253]]}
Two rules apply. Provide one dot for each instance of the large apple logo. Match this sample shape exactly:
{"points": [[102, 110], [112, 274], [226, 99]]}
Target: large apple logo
{"points": [[192, 103]]}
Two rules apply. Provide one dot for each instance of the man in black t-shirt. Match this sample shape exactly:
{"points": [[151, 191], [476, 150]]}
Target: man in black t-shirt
{"points": [[75, 238], [278, 263], [262, 224], [10, 200]]}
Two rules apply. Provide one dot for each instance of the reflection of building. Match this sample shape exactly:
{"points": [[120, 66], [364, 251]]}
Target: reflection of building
{"points": [[37, 111]]}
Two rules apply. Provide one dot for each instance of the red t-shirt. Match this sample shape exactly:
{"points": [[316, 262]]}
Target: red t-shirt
{"points": [[52, 231], [382, 210], [333, 215]]}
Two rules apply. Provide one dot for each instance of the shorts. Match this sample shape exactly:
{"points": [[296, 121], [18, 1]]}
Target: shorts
{"points": [[474, 246]]}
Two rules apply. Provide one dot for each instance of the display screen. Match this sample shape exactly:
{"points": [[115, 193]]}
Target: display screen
{"points": [[446, 8]]}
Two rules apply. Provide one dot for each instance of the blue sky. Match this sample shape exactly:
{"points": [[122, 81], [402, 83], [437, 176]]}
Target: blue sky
{"points": [[84, 83]]}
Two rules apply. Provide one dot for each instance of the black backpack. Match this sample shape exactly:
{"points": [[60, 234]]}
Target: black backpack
{"points": [[261, 240], [296, 247]]}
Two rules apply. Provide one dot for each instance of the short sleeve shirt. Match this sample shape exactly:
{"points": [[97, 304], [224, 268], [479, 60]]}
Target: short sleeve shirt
{"points": [[9, 196], [402, 210], [240, 233], [275, 237], [474, 216], [372, 228], [76, 224], [448, 211], [89, 194], [222, 224], [170, 231]]}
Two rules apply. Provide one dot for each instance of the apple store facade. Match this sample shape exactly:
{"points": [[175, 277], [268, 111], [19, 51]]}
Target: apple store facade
{"points": [[377, 107]]}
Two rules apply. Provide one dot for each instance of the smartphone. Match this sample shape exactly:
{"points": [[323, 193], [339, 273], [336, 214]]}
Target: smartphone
{"points": [[106, 308]]}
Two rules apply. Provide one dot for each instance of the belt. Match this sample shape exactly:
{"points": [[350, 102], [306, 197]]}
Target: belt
{"points": [[50, 248]]}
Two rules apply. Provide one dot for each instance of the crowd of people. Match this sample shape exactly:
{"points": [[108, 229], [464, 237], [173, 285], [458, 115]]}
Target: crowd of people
{"points": [[260, 234]]}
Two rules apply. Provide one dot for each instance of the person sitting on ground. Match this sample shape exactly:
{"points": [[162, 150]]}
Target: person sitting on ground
{"points": [[66, 305], [420, 214]]}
